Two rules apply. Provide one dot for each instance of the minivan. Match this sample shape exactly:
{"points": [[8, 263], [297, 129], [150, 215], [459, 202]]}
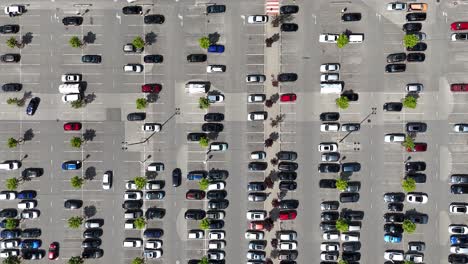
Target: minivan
{"points": [[331, 87], [196, 87]]}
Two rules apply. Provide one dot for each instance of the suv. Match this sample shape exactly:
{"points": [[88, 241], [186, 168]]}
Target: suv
{"points": [[286, 155]]}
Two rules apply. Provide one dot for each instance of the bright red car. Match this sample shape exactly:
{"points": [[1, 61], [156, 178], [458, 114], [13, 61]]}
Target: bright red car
{"points": [[289, 97], [256, 225], [287, 215], [459, 87], [459, 26], [418, 147], [53, 251], [151, 88], [72, 126]]}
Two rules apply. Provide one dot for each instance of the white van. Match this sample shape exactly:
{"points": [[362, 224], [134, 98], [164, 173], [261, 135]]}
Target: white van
{"points": [[354, 227], [132, 242], [69, 88], [356, 38], [9, 165], [196, 87], [331, 88]]}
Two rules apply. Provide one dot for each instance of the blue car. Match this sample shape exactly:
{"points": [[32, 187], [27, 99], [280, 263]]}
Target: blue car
{"points": [[458, 239], [30, 244], [389, 238], [26, 195], [216, 48], [71, 165]]}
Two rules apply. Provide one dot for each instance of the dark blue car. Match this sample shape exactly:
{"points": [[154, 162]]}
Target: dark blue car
{"points": [[71, 165], [216, 48], [30, 244], [153, 233], [26, 195], [14, 233]]}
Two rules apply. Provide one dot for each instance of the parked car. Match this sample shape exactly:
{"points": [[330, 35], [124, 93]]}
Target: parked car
{"points": [[393, 107], [416, 16], [257, 19], [215, 9], [349, 17], [289, 27]]}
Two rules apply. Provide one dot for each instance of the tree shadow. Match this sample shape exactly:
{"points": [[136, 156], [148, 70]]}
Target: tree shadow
{"points": [[150, 38], [274, 97], [274, 214], [89, 98], [212, 136], [27, 38], [274, 136], [214, 37], [281, 194], [274, 253], [89, 38], [273, 175], [28, 135], [90, 173], [89, 211], [89, 135], [152, 97], [151, 175]]}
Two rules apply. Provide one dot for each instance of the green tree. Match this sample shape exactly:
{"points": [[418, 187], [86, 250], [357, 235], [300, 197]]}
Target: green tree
{"points": [[203, 184], [12, 260], [12, 142], [204, 141], [13, 100], [76, 142], [341, 261], [204, 42], [342, 41], [410, 101], [408, 262], [204, 260], [138, 261], [12, 184], [204, 224], [75, 42], [75, 260], [408, 143], [410, 40], [77, 182], [11, 223], [342, 102], [141, 103], [342, 225], [75, 222], [138, 43], [341, 184], [409, 227], [12, 42], [408, 185], [77, 104], [203, 103], [140, 182], [140, 223]]}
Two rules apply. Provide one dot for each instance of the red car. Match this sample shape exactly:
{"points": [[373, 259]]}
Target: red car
{"points": [[289, 97], [287, 215], [256, 225], [73, 126], [195, 195], [151, 88], [418, 147], [459, 26], [459, 87], [53, 250]]}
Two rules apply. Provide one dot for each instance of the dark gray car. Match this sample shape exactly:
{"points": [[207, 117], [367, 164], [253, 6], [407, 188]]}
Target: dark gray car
{"points": [[139, 116], [416, 127], [286, 155]]}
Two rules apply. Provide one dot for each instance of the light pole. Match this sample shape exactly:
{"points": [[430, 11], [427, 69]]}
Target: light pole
{"points": [[373, 112]]}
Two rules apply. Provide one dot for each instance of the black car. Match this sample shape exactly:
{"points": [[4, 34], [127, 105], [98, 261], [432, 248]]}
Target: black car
{"points": [[352, 97], [195, 136], [257, 166], [287, 185], [32, 172], [9, 29], [329, 216], [412, 27], [132, 10], [92, 253], [349, 17], [396, 57], [394, 197], [289, 9], [137, 204], [215, 9], [176, 177], [288, 204], [459, 189], [287, 175], [399, 67], [416, 57], [287, 77], [329, 116], [216, 224], [153, 58], [395, 207], [10, 233], [213, 117], [73, 204], [329, 168], [418, 218], [328, 226], [11, 58], [154, 19], [417, 177], [195, 214], [351, 246], [91, 59], [327, 183], [416, 17], [139, 116], [349, 197], [352, 215], [32, 106], [155, 213], [256, 186], [459, 178], [33, 254], [91, 243], [217, 175], [216, 194], [218, 204], [351, 167], [92, 233], [287, 166], [153, 233], [72, 21], [8, 213], [415, 166], [457, 258], [286, 155], [12, 87], [212, 127], [393, 107], [394, 217], [416, 127], [289, 27], [421, 46], [351, 256], [196, 58], [393, 228]]}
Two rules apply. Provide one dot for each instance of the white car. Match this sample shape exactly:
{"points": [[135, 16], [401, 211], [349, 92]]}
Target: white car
{"points": [[394, 138], [393, 255], [215, 255], [331, 235], [396, 6], [107, 180], [287, 235], [7, 195], [329, 77], [132, 195], [257, 155], [71, 77], [216, 244], [329, 67], [460, 128], [151, 127], [257, 215], [196, 234], [329, 127], [414, 88], [130, 185], [288, 245], [29, 214], [216, 186], [328, 38], [133, 68], [329, 256], [255, 78], [257, 235], [256, 255], [416, 257], [346, 237], [328, 147], [458, 208], [257, 19], [153, 244], [9, 253], [71, 97], [153, 186], [458, 229], [257, 116], [27, 204], [460, 249], [152, 254], [155, 166], [216, 235], [218, 146], [14, 9], [416, 198], [459, 37], [215, 68], [256, 98], [9, 243], [215, 98], [10, 165], [129, 224], [330, 247]]}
